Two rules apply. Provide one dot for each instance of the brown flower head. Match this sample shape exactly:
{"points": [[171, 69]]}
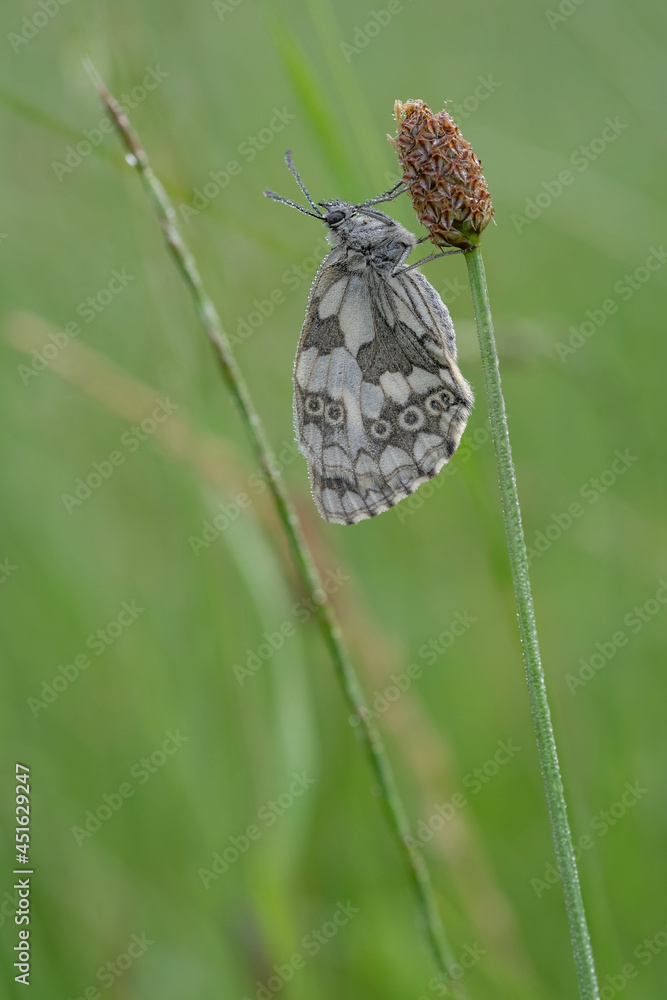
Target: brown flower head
{"points": [[447, 185]]}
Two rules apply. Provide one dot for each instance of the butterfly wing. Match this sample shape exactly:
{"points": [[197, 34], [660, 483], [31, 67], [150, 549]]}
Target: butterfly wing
{"points": [[379, 403]]}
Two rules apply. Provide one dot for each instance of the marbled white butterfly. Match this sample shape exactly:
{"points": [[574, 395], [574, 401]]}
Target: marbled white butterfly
{"points": [[379, 403]]}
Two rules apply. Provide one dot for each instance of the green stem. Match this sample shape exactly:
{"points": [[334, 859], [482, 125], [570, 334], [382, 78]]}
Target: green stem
{"points": [[308, 573], [539, 704]]}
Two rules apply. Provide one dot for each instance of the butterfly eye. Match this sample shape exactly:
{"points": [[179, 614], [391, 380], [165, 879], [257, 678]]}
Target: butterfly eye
{"points": [[333, 218], [314, 406], [394, 251], [438, 402], [334, 414], [411, 419], [380, 430]]}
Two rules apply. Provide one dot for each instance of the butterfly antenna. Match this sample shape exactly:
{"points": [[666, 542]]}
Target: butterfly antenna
{"points": [[295, 173], [292, 204]]}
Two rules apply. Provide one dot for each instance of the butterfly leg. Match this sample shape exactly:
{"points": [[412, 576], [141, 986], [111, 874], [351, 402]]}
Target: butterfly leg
{"points": [[425, 260], [389, 195]]}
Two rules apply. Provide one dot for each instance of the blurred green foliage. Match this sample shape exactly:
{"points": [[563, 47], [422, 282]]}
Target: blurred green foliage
{"points": [[583, 357]]}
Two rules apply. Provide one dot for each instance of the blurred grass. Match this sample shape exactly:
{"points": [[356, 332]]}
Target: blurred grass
{"points": [[410, 570]]}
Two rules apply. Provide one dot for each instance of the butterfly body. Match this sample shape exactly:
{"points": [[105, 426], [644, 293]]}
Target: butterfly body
{"points": [[379, 402]]}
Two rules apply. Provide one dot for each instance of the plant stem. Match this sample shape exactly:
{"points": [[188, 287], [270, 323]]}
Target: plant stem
{"points": [[539, 704], [307, 571]]}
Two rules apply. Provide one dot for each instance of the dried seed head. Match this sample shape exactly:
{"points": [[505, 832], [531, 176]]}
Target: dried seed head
{"points": [[447, 185]]}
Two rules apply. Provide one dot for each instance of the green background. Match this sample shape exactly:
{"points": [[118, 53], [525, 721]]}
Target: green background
{"points": [[552, 81]]}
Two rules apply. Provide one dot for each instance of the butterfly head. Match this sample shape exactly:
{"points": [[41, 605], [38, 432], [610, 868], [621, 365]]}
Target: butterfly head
{"points": [[337, 212], [381, 241]]}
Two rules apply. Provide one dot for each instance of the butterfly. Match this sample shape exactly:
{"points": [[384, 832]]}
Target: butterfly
{"points": [[379, 402]]}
